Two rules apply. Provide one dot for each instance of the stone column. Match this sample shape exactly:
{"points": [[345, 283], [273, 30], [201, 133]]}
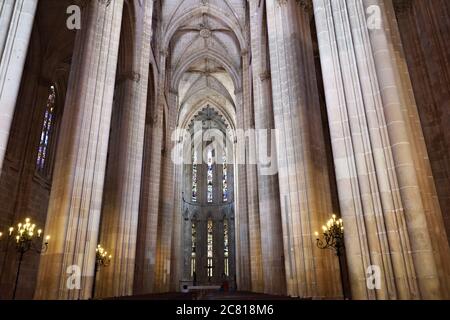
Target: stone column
{"points": [[177, 240], [149, 212], [381, 169], [167, 205], [119, 221], [425, 33], [16, 24], [268, 189], [243, 272], [254, 228], [76, 197], [303, 178], [231, 221]]}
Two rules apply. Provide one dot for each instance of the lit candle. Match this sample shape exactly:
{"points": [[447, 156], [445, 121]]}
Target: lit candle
{"points": [[11, 230], [1, 234], [316, 234], [39, 233], [47, 238]]}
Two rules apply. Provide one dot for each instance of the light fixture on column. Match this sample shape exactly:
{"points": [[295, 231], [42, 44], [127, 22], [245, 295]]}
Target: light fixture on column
{"points": [[333, 235], [26, 237], [102, 259], [333, 238]]}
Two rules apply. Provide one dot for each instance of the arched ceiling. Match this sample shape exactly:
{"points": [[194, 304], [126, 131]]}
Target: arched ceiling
{"points": [[204, 43]]}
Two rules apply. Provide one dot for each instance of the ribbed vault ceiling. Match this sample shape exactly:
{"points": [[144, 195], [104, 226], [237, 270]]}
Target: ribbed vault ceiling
{"points": [[205, 51]]}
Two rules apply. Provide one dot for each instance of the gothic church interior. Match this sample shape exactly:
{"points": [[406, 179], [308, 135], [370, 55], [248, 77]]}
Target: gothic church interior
{"points": [[166, 145]]}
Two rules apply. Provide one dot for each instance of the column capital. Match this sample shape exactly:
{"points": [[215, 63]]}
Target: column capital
{"points": [[265, 75], [105, 2], [402, 6], [129, 75], [306, 5]]}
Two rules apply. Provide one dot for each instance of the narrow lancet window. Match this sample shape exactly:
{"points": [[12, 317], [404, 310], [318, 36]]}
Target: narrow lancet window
{"points": [[226, 247], [194, 177], [210, 248], [210, 177], [47, 128], [193, 248], [225, 180]]}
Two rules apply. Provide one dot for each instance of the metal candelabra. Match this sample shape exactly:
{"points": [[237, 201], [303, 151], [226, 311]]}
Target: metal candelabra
{"points": [[333, 238], [102, 259], [26, 238]]}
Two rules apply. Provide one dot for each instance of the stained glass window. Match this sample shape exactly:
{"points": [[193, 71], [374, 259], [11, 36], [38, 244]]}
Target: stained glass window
{"points": [[210, 177], [210, 248], [47, 128], [194, 177], [193, 249], [226, 247], [225, 180]]}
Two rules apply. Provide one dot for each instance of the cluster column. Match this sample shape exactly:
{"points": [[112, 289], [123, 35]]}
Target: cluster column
{"points": [[243, 273], [16, 23], [76, 197], [303, 180], [268, 189], [167, 206], [119, 221], [381, 165]]}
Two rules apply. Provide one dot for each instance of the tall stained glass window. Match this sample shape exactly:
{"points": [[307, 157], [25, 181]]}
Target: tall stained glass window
{"points": [[210, 248], [47, 128], [226, 247], [225, 180], [193, 248], [210, 177], [194, 177]]}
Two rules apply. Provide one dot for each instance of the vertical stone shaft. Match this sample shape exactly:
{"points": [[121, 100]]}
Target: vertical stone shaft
{"points": [[166, 219], [149, 210], [243, 272], [304, 187], [76, 197], [268, 189], [426, 34], [254, 228], [177, 248], [120, 213], [16, 23], [381, 197], [420, 160]]}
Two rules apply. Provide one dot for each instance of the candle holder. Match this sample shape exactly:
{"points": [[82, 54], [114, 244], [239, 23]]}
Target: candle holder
{"points": [[333, 239], [102, 259], [333, 236], [26, 237]]}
